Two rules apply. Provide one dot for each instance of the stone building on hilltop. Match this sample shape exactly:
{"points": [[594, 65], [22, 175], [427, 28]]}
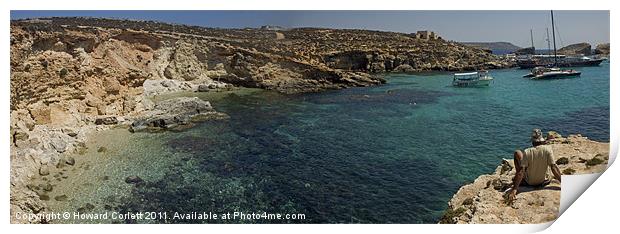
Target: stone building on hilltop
{"points": [[427, 35]]}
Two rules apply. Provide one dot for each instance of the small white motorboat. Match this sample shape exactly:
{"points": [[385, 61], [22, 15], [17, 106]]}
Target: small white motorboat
{"points": [[472, 79]]}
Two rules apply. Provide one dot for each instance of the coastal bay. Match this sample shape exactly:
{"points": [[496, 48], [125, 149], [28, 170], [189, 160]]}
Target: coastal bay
{"points": [[338, 154], [151, 117]]}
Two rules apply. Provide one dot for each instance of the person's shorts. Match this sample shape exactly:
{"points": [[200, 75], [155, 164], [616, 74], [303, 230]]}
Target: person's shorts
{"points": [[543, 184]]}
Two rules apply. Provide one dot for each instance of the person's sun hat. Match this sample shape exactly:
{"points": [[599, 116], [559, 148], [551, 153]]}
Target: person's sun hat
{"points": [[537, 136]]}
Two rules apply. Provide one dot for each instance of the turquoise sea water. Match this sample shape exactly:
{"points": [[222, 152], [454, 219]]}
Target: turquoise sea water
{"points": [[389, 154]]}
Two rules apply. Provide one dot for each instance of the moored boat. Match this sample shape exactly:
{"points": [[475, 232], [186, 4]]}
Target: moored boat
{"points": [[554, 73], [562, 61], [544, 73], [472, 79]]}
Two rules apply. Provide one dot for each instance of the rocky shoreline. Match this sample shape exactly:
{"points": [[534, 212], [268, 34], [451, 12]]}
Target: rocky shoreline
{"points": [[482, 201], [73, 77]]}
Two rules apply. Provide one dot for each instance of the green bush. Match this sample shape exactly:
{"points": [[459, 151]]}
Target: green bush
{"points": [[562, 161], [450, 214], [594, 161], [468, 201], [568, 171]]}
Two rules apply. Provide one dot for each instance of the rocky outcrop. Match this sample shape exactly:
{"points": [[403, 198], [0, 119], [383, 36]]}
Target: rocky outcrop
{"points": [[525, 51], [175, 113], [483, 201], [494, 46], [602, 49], [576, 49]]}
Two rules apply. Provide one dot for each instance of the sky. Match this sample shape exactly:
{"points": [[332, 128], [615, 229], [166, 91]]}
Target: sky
{"points": [[464, 26]]}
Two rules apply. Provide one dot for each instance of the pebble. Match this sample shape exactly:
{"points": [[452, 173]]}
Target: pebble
{"points": [[47, 187], [70, 161], [44, 170]]}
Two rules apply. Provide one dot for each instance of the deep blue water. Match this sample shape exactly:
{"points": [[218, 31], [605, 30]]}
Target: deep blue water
{"points": [[388, 154]]}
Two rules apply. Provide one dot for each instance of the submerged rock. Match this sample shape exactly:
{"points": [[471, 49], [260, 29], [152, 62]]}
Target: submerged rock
{"points": [[174, 112], [86, 208], [102, 149], [203, 88], [133, 179], [61, 198]]}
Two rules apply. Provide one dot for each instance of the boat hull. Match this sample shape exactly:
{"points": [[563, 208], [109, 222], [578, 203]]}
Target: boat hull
{"points": [[556, 76], [476, 83], [529, 64]]}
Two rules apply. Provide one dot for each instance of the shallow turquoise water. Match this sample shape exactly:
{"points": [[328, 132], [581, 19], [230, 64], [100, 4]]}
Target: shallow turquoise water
{"points": [[389, 154]]}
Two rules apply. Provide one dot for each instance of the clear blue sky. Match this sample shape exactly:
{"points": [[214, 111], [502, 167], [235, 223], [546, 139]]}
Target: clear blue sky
{"points": [[486, 26]]}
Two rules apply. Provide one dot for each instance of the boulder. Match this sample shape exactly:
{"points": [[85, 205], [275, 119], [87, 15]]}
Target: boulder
{"points": [[404, 68], [203, 88], [59, 144], [111, 85], [158, 87], [106, 120], [40, 113], [70, 160], [44, 170]]}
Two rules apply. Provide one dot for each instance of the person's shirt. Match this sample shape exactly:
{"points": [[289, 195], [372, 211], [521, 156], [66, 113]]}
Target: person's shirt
{"points": [[536, 161]]}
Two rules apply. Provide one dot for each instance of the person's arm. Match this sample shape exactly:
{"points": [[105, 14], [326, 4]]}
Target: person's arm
{"points": [[516, 181], [556, 172], [554, 168], [520, 173]]}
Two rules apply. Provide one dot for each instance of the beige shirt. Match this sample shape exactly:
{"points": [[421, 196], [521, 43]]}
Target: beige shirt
{"points": [[536, 161]]}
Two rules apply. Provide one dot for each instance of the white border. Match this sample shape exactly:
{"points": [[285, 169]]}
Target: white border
{"points": [[605, 188]]}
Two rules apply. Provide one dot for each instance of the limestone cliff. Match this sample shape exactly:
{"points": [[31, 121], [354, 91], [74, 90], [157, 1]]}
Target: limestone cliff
{"points": [[482, 201]]}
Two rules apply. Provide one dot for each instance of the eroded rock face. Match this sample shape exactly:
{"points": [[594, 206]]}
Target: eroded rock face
{"points": [[482, 201], [603, 49], [576, 49]]}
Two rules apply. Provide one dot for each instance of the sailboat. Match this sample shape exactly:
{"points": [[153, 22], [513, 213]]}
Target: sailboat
{"points": [[545, 73]]}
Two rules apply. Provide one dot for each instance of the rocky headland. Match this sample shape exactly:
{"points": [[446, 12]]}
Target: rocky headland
{"points": [[576, 49], [602, 49], [71, 77], [494, 46], [585, 49], [483, 201]]}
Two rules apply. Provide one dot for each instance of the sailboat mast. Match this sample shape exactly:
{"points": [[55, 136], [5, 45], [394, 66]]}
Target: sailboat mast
{"points": [[532, 38], [548, 42], [555, 52]]}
